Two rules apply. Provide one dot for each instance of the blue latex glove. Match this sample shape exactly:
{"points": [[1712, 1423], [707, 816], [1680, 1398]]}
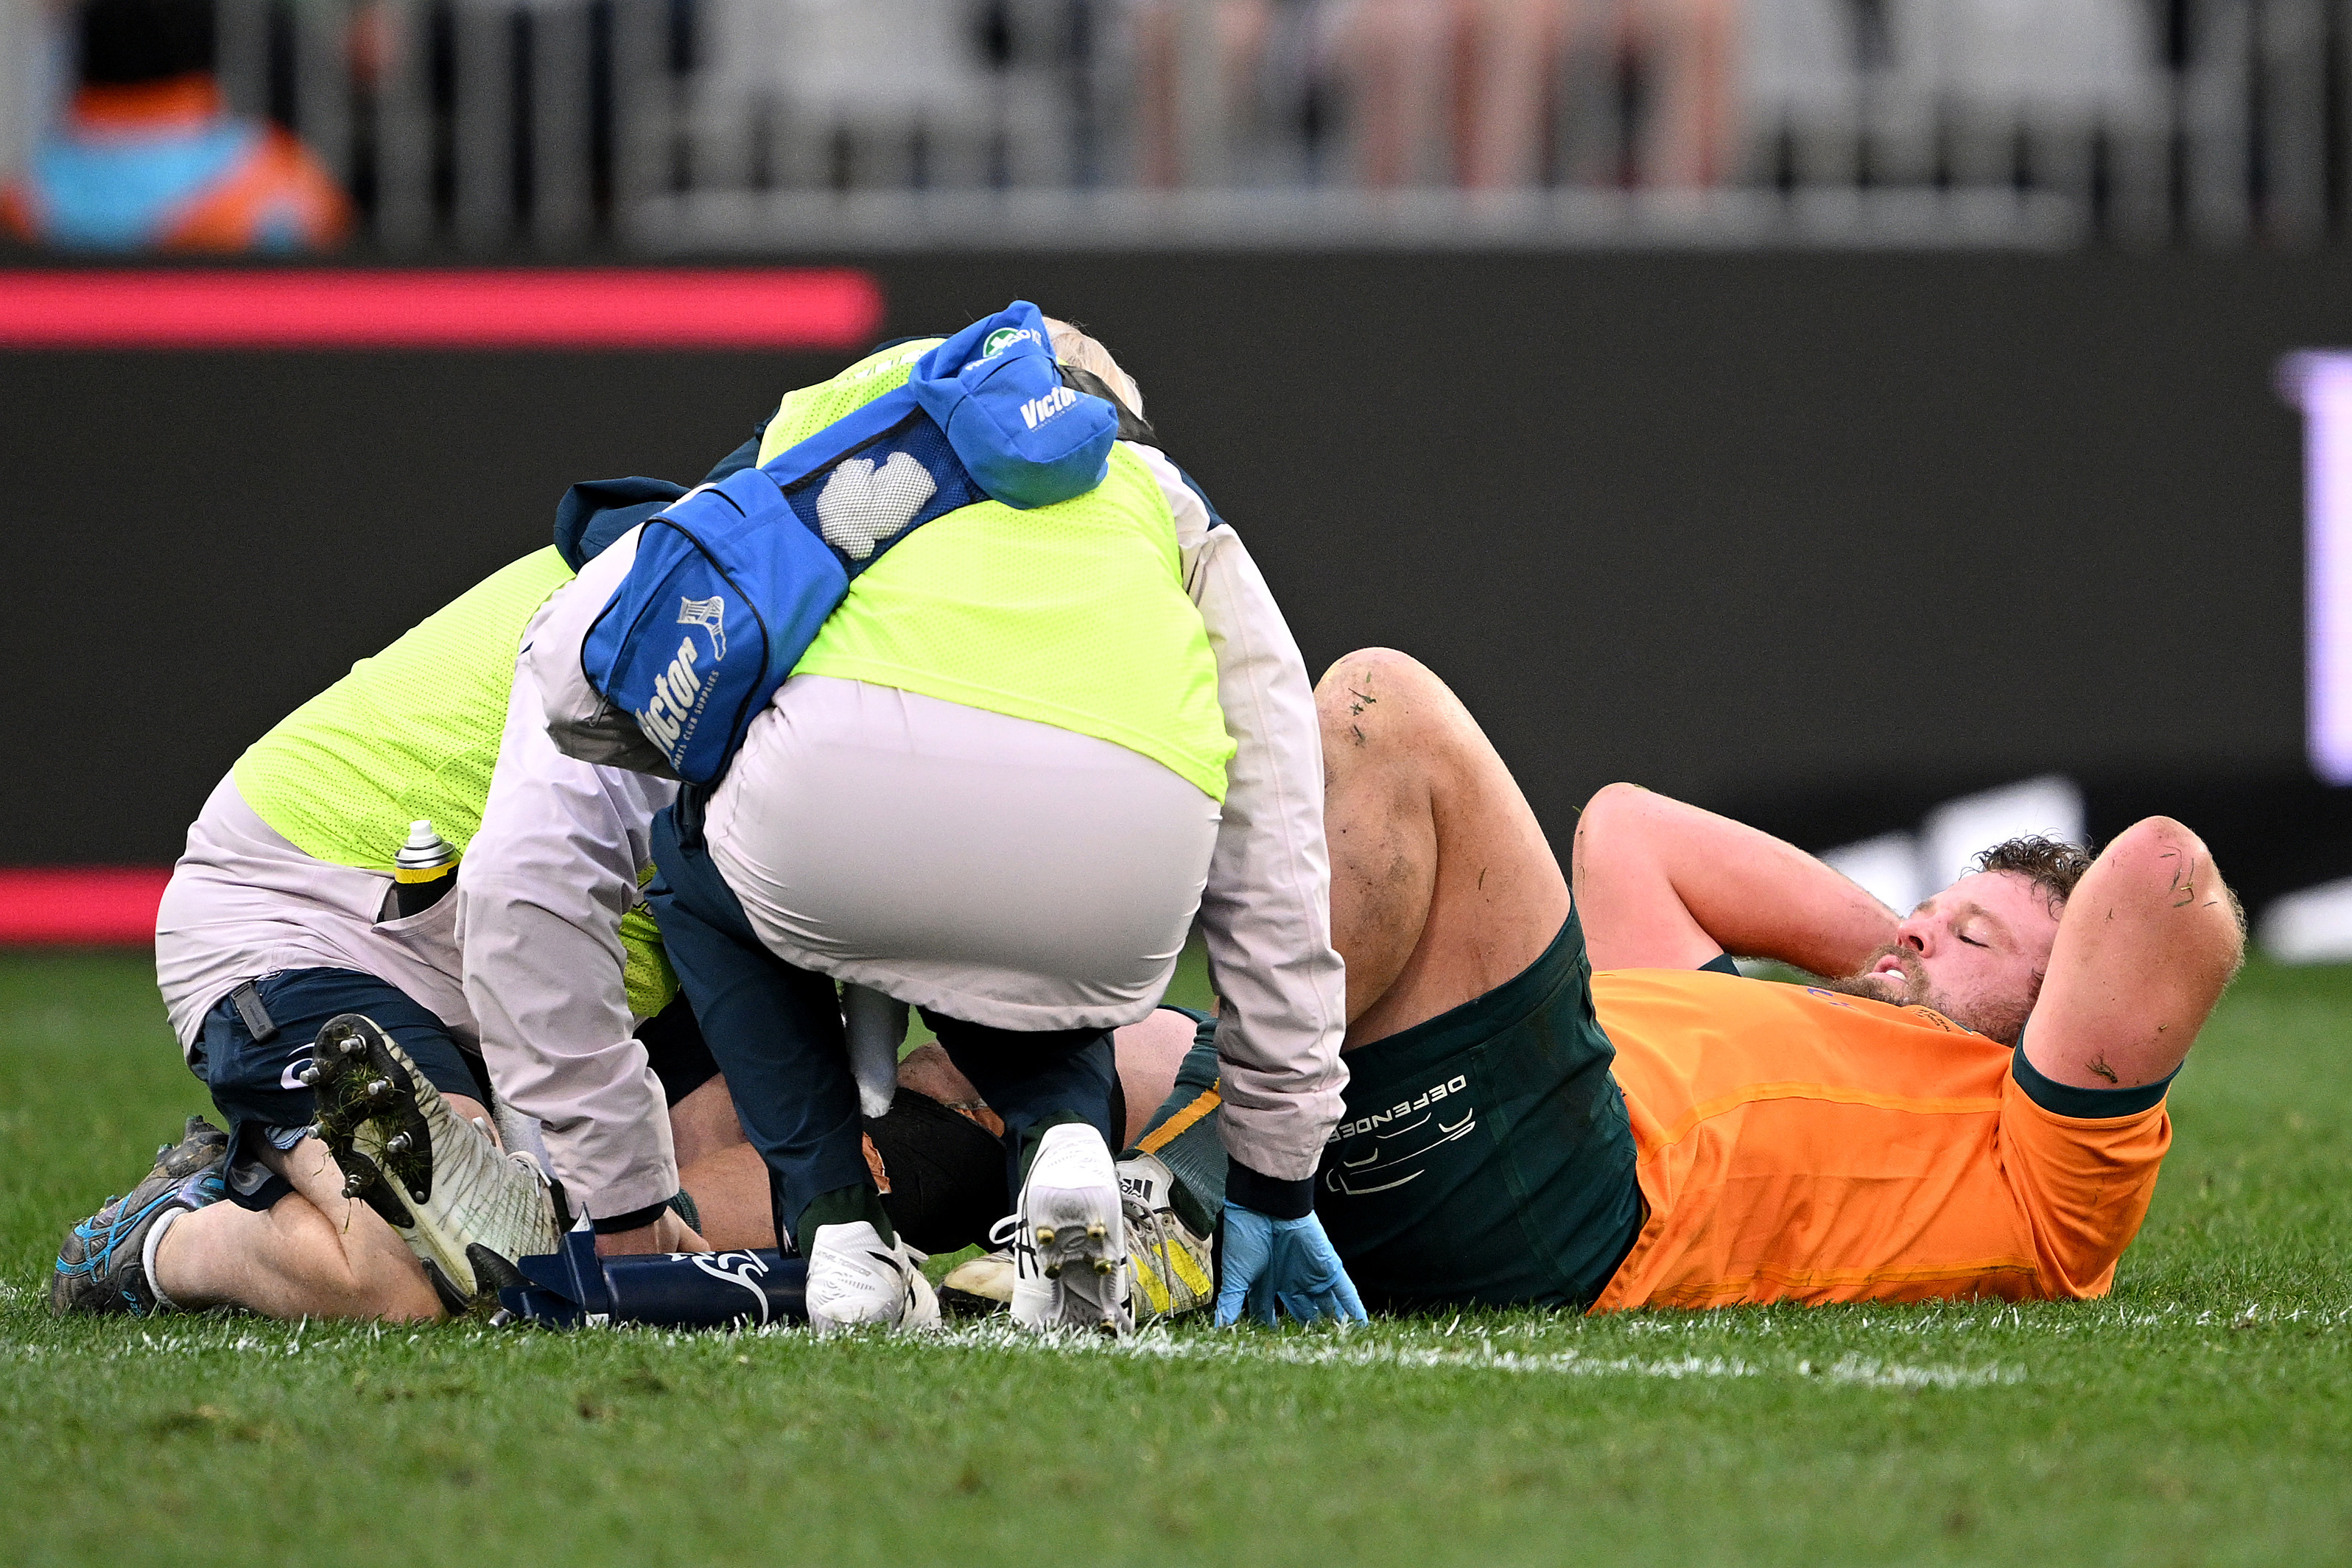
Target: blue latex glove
{"points": [[1269, 1262]]}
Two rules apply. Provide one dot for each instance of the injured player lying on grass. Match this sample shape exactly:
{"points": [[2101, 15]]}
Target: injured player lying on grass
{"points": [[1972, 1106]]}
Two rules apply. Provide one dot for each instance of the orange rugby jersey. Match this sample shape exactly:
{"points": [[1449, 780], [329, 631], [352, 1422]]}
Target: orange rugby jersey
{"points": [[1800, 1145]]}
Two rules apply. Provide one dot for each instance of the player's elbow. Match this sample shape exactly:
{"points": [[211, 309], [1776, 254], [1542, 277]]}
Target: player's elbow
{"points": [[2160, 864], [2157, 850]]}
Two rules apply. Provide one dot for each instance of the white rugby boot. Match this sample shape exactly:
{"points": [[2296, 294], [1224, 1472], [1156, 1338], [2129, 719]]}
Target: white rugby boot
{"points": [[1069, 1240], [467, 1210], [857, 1280], [1173, 1270]]}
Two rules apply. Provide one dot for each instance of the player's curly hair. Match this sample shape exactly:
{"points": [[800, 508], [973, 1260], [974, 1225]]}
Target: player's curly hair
{"points": [[2051, 864]]}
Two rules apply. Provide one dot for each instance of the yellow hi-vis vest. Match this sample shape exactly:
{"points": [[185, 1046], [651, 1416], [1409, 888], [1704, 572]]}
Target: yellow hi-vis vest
{"points": [[1073, 615], [413, 732]]}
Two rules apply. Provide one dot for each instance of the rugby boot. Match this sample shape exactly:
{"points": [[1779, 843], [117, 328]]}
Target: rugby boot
{"points": [[977, 1286], [857, 1280], [1173, 1269], [108, 1261], [1069, 1239], [465, 1209]]}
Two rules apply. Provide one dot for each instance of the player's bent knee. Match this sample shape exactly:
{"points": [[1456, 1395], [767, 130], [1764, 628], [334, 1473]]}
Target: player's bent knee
{"points": [[1613, 799], [2155, 835], [1369, 668], [392, 1291], [1378, 696], [1623, 818], [1374, 662]]}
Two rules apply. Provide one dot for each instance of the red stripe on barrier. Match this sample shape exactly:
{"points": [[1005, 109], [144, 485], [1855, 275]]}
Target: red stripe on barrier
{"points": [[94, 905], [768, 307]]}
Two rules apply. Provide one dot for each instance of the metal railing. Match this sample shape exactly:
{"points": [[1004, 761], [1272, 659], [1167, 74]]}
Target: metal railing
{"points": [[670, 126]]}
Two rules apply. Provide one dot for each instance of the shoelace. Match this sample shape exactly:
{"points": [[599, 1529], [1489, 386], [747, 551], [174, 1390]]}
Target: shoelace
{"points": [[1155, 1243], [109, 1220], [104, 1228], [1008, 1236]]}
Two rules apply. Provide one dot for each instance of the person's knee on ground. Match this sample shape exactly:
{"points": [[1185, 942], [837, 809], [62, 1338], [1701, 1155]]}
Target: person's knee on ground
{"points": [[774, 1030], [314, 1253]]}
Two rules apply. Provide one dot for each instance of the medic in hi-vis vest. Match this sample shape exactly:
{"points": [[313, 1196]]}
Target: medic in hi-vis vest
{"points": [[407, 866], [978, 704], [336, 985]]}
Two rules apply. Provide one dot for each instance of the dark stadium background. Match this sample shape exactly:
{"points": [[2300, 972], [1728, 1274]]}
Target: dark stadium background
{"points": [[1819, 538]]}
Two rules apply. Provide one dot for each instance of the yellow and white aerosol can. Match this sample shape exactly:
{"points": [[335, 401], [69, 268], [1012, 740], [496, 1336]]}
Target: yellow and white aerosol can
{"points": [[425, 870]]}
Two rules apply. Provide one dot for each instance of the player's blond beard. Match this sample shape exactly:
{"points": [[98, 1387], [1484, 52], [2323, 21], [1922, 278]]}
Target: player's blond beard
{"points": [[2001, 1019]]}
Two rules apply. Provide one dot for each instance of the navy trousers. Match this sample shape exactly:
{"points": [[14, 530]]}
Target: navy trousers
{"points": [[776, 1031]]}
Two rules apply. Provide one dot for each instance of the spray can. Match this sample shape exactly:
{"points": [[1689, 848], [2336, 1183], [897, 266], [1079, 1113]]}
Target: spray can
{"points": [[425, 870]]}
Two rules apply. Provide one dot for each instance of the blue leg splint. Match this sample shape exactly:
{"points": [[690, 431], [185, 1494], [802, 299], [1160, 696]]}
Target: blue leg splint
{"points": [[574, 1289]]}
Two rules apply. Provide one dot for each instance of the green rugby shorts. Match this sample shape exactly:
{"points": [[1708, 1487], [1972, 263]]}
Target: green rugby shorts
{"points": [[1485, 1156]]}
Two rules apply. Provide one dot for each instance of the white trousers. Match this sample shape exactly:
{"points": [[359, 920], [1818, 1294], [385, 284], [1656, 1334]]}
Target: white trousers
{"points": [[1001, 870]]}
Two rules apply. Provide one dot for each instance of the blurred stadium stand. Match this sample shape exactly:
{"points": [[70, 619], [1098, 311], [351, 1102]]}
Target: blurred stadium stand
{"points": [[146, 154], [564, 127]]}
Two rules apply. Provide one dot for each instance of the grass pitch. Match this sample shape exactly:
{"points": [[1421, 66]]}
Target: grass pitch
{"points": [[2201, 1415]]}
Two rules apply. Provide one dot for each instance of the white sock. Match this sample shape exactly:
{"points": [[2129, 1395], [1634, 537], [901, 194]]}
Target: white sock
{"points": [[147, 1250]]}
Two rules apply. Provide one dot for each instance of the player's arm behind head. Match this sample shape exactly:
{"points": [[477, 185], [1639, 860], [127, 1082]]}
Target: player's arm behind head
{"points": [[2149, 939]]}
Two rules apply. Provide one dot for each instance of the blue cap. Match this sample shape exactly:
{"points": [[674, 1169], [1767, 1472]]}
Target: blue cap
{"points": [[995, 388]]}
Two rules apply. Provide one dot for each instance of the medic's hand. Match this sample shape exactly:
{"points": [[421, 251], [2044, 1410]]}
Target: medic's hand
{"points": [[1268, 1262]]}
